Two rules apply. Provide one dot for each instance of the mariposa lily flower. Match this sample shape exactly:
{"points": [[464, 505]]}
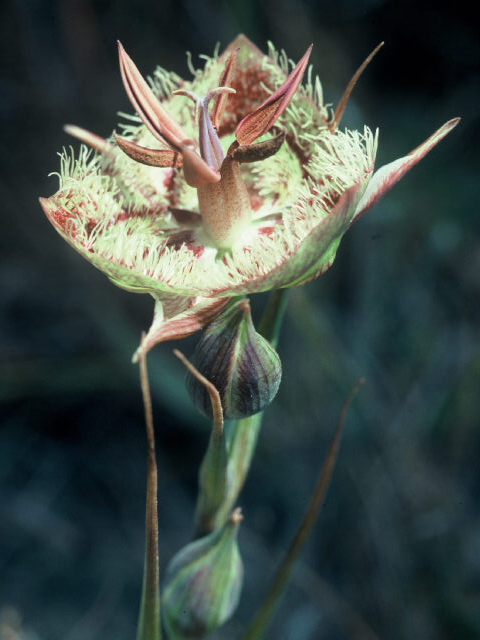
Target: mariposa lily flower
{"points": [[236, 182]]}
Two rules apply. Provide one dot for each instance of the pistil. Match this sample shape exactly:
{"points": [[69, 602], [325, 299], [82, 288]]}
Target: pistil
{"points": [[225, 205], [210, 148]]}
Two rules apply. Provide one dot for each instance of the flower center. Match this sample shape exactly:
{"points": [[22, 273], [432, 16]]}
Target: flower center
{"points": [[225, 205], [210, 148]]}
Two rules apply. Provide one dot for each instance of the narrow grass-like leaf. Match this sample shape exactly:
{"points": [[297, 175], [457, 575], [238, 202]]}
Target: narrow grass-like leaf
{"points": [[258, 627]]}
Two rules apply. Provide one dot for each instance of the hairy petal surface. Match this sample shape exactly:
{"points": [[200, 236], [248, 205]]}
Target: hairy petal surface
{"points": [[311, 257], [297, 192]]}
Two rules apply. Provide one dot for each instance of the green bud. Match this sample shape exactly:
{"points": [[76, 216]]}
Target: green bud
{"points": [[243, 366], [203, 583]]}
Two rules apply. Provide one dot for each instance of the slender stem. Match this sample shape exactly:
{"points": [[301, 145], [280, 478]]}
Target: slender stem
{"points": [[271, 321], [241, 446], [262, 618], [243, 434], [149, 617]]}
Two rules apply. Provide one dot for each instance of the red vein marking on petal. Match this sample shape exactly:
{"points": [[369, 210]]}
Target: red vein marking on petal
{"points": [[197, 249], [266, 231]]}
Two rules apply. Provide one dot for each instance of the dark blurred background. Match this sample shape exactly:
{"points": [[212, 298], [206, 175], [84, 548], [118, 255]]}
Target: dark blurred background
{"points": [[396, 552]]}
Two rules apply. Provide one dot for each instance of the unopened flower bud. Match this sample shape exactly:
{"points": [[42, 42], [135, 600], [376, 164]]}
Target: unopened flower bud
{"points": [[243, 366], [203, 583]]}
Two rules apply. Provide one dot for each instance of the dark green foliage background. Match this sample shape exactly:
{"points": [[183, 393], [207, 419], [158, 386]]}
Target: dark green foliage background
{"points": [[398, 542]]}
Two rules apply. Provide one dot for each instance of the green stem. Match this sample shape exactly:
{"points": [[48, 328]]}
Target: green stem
{"points": [[243, 434], [271, 322], [149, 617]]}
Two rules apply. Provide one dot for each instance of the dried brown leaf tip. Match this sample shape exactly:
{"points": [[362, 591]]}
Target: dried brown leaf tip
{"points": [[337, 116]]}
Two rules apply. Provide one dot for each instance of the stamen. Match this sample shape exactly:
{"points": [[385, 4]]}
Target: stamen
{"points": [[261, 120], [87, 137], [221, 100], [150, 157], [162, 125]]}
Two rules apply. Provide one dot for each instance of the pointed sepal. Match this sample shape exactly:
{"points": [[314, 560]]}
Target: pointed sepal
{"points": [[258, 150], [388, 175], [87, 137], [177, 317]]}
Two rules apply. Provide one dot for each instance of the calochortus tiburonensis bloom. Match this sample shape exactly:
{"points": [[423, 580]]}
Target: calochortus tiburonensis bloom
{"points": [[235, 182]]}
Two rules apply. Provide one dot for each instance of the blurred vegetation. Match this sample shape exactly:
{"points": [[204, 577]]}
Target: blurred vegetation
{"points": [[396, 554]]}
